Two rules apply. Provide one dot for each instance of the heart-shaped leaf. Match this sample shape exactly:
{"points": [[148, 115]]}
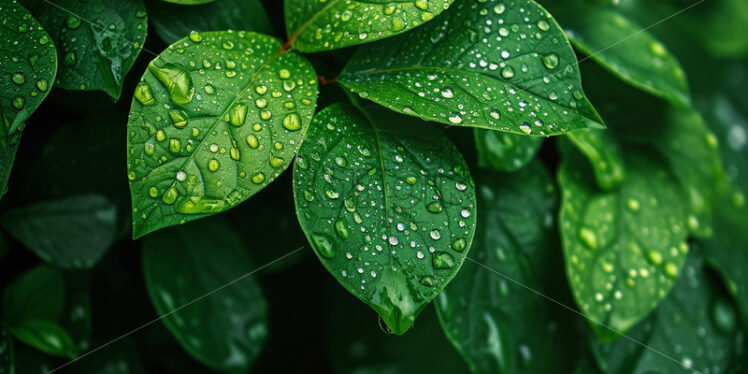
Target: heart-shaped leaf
{"points": [[503, 151], [173, 22], [497, 65], [624, 49], [497, 325], [623, 248], [97, 40], [225, 331], [320, 25], [28, 64], [388, 206], [71, 233], [215, 119]]}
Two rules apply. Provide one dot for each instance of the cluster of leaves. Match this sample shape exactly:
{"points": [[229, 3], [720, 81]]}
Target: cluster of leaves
{"points": [[646, 212]]}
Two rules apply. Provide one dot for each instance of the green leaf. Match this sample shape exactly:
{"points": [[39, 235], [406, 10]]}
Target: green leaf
{"points": [[174, 22], [225, 331], [121, 358], [320, 25], [623, 248], [7, 365], [36, 294], [623, 48], [7, 157], [604, 154], [497, 325], [497, 65], [97, 40], [71, 233], [45, 336], [503, 151], [28, 64], [216, 118], [691, 327], [387, 204]]}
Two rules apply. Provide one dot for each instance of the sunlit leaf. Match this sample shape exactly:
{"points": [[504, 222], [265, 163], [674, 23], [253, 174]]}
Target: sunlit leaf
{"points": [[497, 65], [388, 205], [215, 118]]}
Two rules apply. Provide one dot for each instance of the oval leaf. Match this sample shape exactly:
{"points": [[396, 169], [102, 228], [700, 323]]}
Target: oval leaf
{"points": [[503, 151], [320, 25], [174, 22], [215, 119], [45, 336], [497, 325], [497, 65], [93, 56], [388, 205], [623, 248], [28, 64], [71, 233], [635, 56], [224, 331]]}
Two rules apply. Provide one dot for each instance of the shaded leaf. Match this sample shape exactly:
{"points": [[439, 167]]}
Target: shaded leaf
{"points": [[216, 118], [623, 248], [7, 365], [504, 151], [174, 22], [387, 204], [97, 40], [7, 157], [189, 2], [36, 294], [225, 330], [45, 336], [71, 233], [497, 65], [498, 326], [604, 154], [121, 358], [28, 64], [623, 48], [319, 25]]}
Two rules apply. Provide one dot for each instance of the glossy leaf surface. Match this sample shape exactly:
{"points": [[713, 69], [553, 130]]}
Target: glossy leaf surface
{"points": [[388, 205], [503, 151], [216, 118], [497, 325], [623, 248], [226, 330], [28, 64], [319, 25], [623, 48], [97, 40], [497, 65], [71, 233], [173, 22], [45, 336]]}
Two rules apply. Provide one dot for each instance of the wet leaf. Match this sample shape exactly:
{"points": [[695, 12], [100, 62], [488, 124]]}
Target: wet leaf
{"points": [[97, 40], [7, 365], [504, 151], [226, 330], [216, 118], [497, 65], [602, 150], [623, 248], [623, 48], [388, 205], [497, 325], [319, 25], [28, 64], [173, 22], [691, 327], [71, 232]]}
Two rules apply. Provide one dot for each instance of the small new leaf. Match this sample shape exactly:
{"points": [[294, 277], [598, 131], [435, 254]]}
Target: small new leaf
{"points": [[388, 206]]}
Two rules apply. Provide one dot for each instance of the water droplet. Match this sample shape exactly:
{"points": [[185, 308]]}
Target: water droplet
{"points": [[144, 94], [588, 237], [434, 207], [671, 270], [178, 118], [723, 315], [543, 25], [252, 141], [655, 257], [525, 128], [213, 165], [292, 122], [341, 229], [633, 205], [443, 260], [238, 114], [72, 22], [69, 59], [176, 80], [284, 74], [258, 178], [507, 72], [170, 196], [435, 234], [196, 37], [459, 245], [19, 79], [448, 93], [42, 85], [324, 245], [550, 61], [19, 102]]}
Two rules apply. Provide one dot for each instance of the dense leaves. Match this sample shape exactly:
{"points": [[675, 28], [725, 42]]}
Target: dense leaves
{"points": [[318, 25], [497, 65], [623, 248], [97, 40], [488, 314], [216, 118], [225, 330], [28, 64], [393, 218]]}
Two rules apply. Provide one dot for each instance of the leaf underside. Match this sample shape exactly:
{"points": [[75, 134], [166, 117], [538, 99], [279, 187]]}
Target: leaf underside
{"points": [[388, 206]]}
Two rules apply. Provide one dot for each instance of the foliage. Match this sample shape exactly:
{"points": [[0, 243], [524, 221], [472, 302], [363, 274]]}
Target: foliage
{"points": [[590, 218]]}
